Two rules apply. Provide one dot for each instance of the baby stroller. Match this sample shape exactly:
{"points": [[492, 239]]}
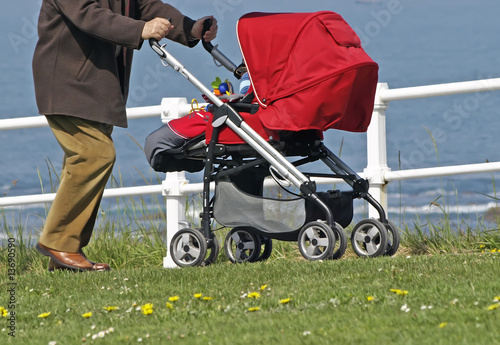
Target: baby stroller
{"points": [[308, 74]]}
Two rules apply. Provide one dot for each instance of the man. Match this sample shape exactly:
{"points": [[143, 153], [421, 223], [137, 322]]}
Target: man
{"points": [[81, 69]]}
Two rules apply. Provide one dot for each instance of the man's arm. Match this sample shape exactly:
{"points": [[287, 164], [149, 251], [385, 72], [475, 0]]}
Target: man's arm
{"points": [[186, 30], [91, 18]]}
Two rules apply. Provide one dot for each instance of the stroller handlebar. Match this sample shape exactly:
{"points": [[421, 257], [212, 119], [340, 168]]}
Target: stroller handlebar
{"points": [[210, 48], [216, 54]]}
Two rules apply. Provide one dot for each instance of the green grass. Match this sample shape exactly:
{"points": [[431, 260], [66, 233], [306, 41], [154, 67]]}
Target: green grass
{"points": [[449, 268], [328, 303]]}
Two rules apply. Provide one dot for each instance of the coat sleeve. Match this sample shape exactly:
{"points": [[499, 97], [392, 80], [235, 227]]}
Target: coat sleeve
{"points": [[90, 17], [150, 9]]}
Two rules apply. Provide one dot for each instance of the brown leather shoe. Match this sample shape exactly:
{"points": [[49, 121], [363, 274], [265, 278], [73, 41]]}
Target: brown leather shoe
{"points": [[74, 261], [99, 266]]}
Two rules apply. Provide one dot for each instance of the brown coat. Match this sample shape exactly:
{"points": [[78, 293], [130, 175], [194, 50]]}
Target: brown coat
{"points": [[79, 67]]}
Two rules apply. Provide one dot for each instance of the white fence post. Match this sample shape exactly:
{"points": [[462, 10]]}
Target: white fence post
{"points": [[174, 108], [377, 153], [175, 200]]}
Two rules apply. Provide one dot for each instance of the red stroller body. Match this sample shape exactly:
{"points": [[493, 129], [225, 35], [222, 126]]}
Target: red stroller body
{"points": [[308, 71], [308, 74]]}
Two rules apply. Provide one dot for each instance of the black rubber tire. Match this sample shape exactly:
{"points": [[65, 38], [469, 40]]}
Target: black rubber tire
{"points": [[393, 240], [340, 242], [213, 248], [267, 243], [242, 244]]}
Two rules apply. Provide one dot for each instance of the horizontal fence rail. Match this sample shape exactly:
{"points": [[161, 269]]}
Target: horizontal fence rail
{"points": [[41, 121], [388, 95], [441, 171]]}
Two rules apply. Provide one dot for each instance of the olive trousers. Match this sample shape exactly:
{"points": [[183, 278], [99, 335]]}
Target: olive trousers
{"points": [[89, 156]]}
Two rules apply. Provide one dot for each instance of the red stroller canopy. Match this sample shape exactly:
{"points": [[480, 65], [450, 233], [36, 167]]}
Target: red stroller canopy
{"points": [[308, 71]]}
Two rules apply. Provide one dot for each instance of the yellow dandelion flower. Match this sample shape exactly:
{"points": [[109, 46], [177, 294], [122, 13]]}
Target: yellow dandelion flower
{"points": [[87, 315], [494, 306], [147, 308], [207, 298], [170, 305], [254, 309], [493, 250], [370, 298], [110, 308], [285, 300], [44, 315], [399, 292], [263, 287], [3, 312], [496, 299], [173, 298], [197, 295], [482, 246], [147, 311], [443, 324], [254, 295]]}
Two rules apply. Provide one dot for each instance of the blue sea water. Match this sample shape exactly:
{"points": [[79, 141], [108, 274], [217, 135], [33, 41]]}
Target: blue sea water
{"points": [[414, 42]]}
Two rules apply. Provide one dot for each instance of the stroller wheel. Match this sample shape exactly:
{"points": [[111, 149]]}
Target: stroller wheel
{"points": [[213, 248], [188, 248], [340, 242], [393, 238], [369, 238], [316, 241], [242, 245], [267, 243]]}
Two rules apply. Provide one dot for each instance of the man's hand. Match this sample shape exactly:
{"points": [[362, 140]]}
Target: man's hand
{"points": [[197, 29], [156, 28]]}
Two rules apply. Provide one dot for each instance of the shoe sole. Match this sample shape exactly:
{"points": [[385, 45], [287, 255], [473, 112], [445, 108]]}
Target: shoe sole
{"points": [[52, 269]]}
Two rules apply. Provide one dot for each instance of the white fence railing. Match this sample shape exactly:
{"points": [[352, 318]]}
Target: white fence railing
{"points": [[176, 186]]}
